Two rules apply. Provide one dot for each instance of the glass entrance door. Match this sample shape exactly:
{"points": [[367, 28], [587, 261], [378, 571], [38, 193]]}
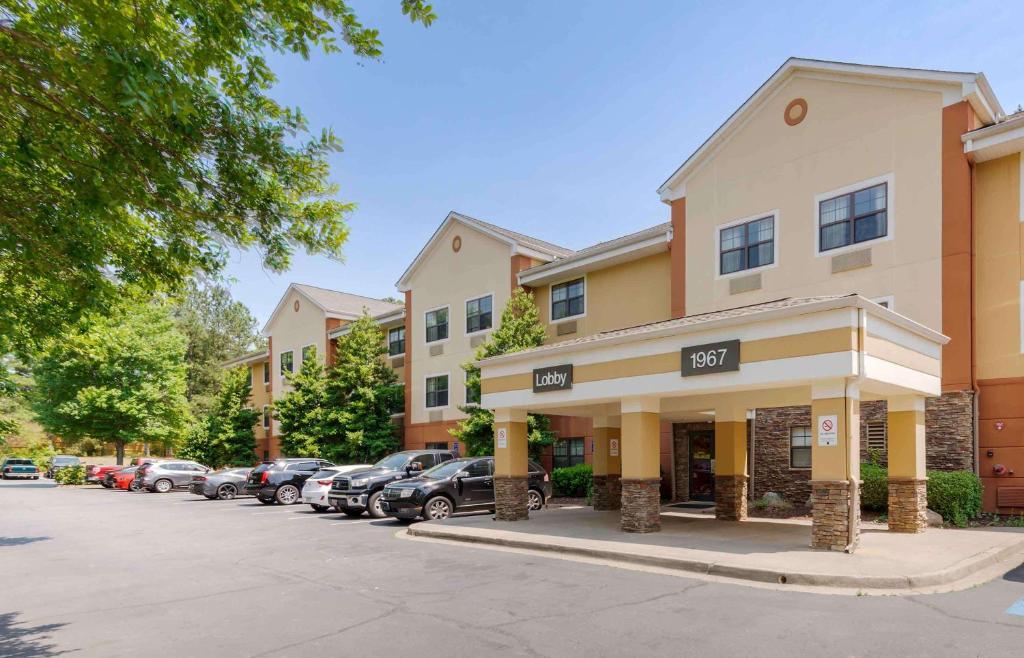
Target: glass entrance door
{"points": [[702, 465]]}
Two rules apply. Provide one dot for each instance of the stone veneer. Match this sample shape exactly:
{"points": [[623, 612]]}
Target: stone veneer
{"points": [[771, 471], [511, 498], [830, 526], [908, 505], [731, 497], [949, 431], [641, 505], [607, 492]]}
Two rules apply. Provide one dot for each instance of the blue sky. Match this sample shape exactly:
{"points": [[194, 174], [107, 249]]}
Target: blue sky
{"points": [[560, 119]]}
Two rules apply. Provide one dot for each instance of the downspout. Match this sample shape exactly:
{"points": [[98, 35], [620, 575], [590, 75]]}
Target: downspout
{"points": [[853, 512]]}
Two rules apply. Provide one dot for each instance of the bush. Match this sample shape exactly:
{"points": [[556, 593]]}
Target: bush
{"points": [[956, 495], [874, 487], [70, 475], [576, 481]]}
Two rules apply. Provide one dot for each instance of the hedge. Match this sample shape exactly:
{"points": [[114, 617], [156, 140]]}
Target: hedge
{"points": [[576, 481], [955, 495], [70, 475]]}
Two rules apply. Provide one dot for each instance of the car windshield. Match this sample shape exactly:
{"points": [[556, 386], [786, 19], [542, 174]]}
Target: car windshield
{"points": [[65, 460], [393, 462], [445, 469]]}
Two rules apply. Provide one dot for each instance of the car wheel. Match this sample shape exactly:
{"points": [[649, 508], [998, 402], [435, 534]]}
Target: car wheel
{"points": [[163, 486], [373, 506], [319, 508], [353, 513], [437, 508], [535, 500], [226, 491], [265, 501], [134, 485], [287, 494]]}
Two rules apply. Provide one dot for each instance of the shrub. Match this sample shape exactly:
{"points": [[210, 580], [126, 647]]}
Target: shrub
{"points": [[956, 495], [70, 475], [575, 481], [874, 487]]}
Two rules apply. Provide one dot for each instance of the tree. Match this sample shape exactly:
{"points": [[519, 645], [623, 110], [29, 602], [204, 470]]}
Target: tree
{"points": [[302, 411], [218, 328], [225, 437], [362, 393], [520, 329], [115, 378], [139, 142]]}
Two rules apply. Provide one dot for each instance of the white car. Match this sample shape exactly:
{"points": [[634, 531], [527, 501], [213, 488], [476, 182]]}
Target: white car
{"points": [[314, 491]]}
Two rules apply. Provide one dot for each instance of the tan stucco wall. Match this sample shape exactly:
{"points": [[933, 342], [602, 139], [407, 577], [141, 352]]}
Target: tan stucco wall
{"points": [[445, 277], [852, 133], [999, 267], [291, 330], [620, 296], [260, 396]]}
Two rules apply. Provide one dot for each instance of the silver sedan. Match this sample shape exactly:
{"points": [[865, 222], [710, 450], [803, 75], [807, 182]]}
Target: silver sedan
{"points": [[224, 484]]}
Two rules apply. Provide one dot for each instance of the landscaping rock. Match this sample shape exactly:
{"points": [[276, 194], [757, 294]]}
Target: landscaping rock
{"points": [[934, 519]]}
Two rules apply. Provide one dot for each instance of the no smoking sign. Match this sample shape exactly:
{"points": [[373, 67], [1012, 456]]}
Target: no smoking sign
{"points": [[828, 432]]}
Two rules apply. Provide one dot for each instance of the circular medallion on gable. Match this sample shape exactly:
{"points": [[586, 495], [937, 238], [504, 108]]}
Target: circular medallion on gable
{"points": [[456, 244], [296, 306], [795, 111]]}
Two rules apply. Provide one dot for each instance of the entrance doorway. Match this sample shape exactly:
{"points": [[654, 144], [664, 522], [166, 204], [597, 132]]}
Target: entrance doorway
{"points": [[702, 465]]}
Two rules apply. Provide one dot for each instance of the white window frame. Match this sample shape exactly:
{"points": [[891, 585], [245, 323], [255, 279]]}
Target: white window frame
{"points": [[888, 300], [404, 340], [716, 238], [280, 355], [431, 376], [439, 341], [809, 446], [551, 299], [302, 356], [890, 213], [465, 318], [265, 421]]}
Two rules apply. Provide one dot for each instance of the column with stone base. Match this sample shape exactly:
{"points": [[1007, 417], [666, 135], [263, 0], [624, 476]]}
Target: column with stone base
{"points": [[641, 472], [607, 488], [835, 465], [908, 484], [730, 463], [511, 488]]}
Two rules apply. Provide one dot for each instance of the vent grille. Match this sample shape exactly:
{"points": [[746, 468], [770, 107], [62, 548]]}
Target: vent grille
{"points": [[878, 435]]}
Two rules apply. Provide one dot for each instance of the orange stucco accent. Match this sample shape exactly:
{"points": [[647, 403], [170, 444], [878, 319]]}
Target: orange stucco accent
{"points": [[332, 345], [957, 252], [419, 434], [678, 254], [1001, 432], [519, 263]]}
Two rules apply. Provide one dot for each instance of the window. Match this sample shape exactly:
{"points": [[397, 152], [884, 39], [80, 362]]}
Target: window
{"points": [[437, 445], [308, 352], [426, 460], [472, 392], [266, 416], [250, 375], [398, 402], [479, 469], [746, 246], [568, 452], [567, 299], [396, 341], [800, 447], [437, 391], [478, 314], [266, 372], [877, 435], [855, 217], [287, 362], [437, 325]]}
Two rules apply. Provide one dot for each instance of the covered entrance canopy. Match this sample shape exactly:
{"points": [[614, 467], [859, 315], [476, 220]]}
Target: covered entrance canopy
{"points": [[829, 352]]}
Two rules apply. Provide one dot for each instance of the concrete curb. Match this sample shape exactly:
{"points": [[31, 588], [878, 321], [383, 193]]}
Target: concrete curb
{"points": [[895, 583]]}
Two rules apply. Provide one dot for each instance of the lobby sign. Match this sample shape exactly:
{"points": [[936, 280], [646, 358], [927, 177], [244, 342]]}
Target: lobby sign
{"points": [[723, 356], [552, 378], [828, 431]]}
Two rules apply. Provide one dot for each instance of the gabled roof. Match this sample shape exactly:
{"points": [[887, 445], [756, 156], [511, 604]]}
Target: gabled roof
{"points": [[256, 356], [518, 242], [334, 303], [382, 319], [972, 87], [991, 142]]}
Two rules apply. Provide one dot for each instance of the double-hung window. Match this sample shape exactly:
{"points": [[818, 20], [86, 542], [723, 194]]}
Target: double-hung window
{"points": [[478, 314], [746, 246], [308, 352], [437, 324], [800, 447], [854, 217], [437, 391], [396, 341], [287, 362], [567, 299]]}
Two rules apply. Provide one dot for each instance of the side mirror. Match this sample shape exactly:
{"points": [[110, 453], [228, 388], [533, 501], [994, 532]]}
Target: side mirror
{"points": [[414, 467]]}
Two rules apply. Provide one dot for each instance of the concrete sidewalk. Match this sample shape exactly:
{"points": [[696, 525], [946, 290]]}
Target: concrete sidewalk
{"points": [[757, 550]]}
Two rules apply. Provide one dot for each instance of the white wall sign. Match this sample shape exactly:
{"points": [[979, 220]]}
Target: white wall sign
{"points": [[828, 431], [613, 447], [502, 437]]}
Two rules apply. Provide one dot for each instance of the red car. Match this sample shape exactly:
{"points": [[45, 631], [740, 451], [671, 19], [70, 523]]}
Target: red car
{"points": [[96, 474], [125, 479]]}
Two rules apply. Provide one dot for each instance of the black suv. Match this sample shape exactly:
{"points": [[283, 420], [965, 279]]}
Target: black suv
{"points": [[281, 480], [461, 485], [357, 492]]}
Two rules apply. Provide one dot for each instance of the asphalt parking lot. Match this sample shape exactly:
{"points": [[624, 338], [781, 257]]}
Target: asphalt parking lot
{"points": [[109, 573]]}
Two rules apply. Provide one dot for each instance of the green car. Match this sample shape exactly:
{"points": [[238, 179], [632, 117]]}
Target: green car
{"points": [[18, 467]]}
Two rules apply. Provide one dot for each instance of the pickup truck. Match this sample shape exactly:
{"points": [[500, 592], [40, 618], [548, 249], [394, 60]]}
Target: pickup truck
{"points": [[360, 491], [98, 474], [18, 467]]}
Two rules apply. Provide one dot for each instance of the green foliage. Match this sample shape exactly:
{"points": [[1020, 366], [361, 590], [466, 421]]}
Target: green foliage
{"points": [[40, 451], [139, 142], [225, 437], [874, 487], [575, 481], [197, 445], [16, 418], [956, 495], [218, 328], [117, 378], [520, 329], [302, 411], [70, 475]]}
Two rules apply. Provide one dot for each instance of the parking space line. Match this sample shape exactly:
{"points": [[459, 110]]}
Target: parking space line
{"points": [[354, 522], [1017, 608]]}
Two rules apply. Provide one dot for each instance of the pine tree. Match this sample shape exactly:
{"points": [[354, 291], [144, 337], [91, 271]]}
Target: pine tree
{"points": [[520, 329], [231, 422], [302, 411]]}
